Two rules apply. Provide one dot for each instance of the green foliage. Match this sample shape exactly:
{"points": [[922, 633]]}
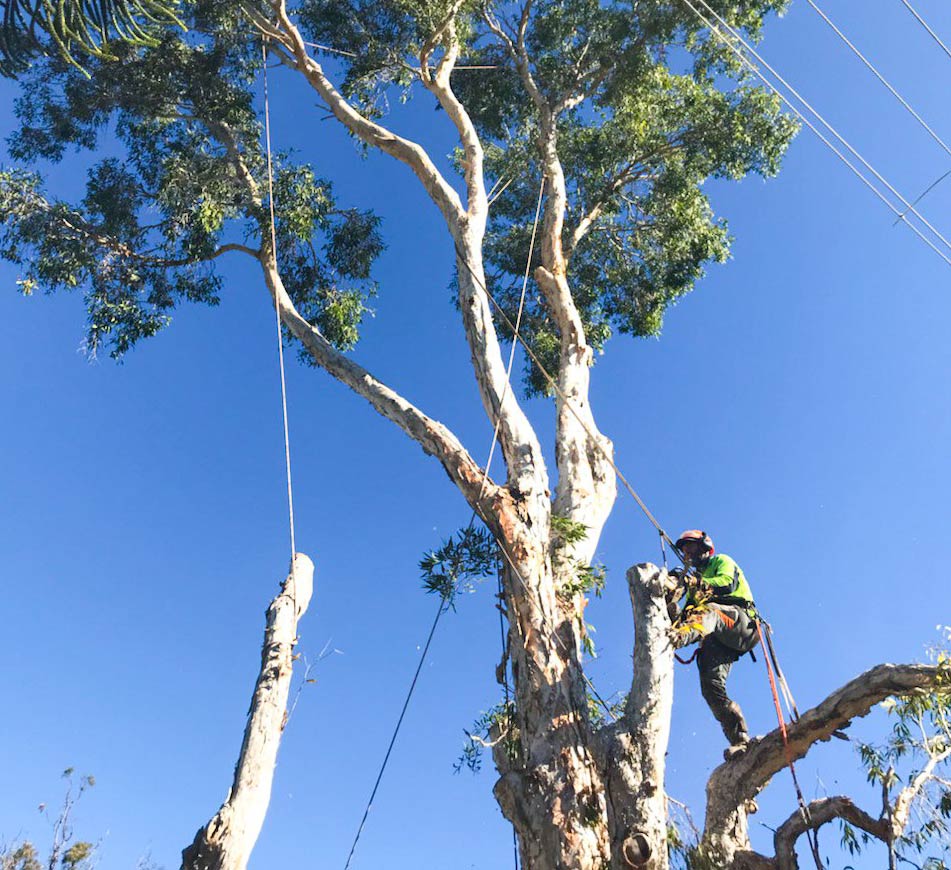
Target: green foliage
{"points": [[495, 728], [66, 28], [598, 716], [580, 578], [190, 185], [567, 531], [574, 576], [920, 736], [21, 857], [662, 109], [463, 560], [77, 855]]}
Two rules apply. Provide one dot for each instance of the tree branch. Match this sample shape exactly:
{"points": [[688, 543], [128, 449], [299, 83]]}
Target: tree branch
{"points": [[225, 843], [636, 745], [435, 438], [439, 85], [820, 812], [519, 444], [742, 777], [612, 186], [902, 806], [370, 132], [519, 53]]}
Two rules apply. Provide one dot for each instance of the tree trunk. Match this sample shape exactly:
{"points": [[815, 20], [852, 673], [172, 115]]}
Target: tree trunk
{"points": [[579, 797], [550, 786], [225, 843], [637, 745]]}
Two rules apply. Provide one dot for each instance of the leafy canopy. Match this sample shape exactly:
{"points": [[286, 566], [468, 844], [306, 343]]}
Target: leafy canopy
{"points": [[646, 104], [648, 107], [190, 186]]}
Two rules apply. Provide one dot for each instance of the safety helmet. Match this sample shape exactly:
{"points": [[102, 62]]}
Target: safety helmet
{"points": [[696, 535]]}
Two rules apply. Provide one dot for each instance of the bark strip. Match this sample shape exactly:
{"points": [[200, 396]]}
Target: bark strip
{"points": [[225, 843]]}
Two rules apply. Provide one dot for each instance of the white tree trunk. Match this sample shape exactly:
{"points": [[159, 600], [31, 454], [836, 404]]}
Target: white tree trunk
{"points": [[225, 843], [635, 748]]}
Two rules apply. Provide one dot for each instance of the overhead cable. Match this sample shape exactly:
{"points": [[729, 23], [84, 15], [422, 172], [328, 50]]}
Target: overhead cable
{"points": [[879, 76], [927, 27], [759, 74]]}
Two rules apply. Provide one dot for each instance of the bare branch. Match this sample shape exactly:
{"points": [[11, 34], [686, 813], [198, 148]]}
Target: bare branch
{"points": [[227, 840], [902, 806], [820, 812], [745, 775], [370, 132], [435, 438]]}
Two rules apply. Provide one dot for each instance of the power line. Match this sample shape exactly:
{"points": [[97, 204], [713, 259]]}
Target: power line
{"points": [[927, 27], [736, 35], [879, 76], [759, 74], [396, 731]]}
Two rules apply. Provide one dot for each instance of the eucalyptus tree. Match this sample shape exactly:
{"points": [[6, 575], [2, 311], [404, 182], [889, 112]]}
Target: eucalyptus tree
{"points": [[613, 115]]}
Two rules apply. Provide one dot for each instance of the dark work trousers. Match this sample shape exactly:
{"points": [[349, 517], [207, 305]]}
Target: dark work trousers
{"points": [[728, 634]]}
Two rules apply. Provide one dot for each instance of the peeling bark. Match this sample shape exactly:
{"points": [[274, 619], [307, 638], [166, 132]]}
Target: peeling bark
{"points": [[554, 793], [636, 746], [225, 843]]}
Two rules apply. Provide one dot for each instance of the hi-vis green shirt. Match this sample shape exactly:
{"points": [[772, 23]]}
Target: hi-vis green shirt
{"points": [[726, 581]]}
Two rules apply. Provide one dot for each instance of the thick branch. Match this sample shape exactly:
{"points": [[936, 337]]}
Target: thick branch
{"points": [[370, 132], [586, 482], [820, 812], [519, 444], [745, 775], [225, 843], [431, 435], [439, 85]]}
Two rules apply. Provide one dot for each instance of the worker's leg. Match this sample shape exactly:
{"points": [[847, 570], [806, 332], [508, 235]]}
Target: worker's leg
{"points": [[727, 623], [714, 662]]}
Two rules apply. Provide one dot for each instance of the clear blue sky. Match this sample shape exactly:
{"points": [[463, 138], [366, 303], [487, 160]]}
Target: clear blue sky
{"points": [[797, 407]]}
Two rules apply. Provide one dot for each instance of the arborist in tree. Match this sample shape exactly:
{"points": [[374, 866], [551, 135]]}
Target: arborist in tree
{"points": [[720, 613]]}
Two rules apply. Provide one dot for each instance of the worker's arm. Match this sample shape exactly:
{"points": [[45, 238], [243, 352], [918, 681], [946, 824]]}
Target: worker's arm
{"points": [[722, 576]]}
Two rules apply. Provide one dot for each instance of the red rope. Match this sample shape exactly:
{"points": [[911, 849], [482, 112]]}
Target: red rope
{"points": [[811, 834]]}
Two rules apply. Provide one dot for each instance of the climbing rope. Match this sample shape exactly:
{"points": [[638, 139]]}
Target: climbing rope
{"points": [[811, 834], [280, 336], [443, 606], [561, 395]]}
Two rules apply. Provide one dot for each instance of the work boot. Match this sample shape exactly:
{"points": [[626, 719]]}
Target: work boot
{"points": [[734, 727], [737, 747], [680, 637]]}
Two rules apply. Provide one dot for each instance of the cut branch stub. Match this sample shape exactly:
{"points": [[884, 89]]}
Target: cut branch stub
{"points": [[225, 843]]}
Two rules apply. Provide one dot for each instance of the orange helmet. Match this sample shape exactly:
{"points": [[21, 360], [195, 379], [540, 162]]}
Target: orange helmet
{"points": [[696, 535]]}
